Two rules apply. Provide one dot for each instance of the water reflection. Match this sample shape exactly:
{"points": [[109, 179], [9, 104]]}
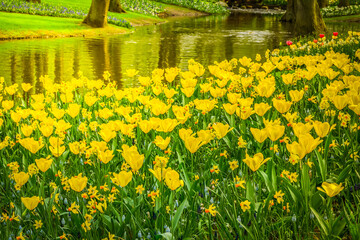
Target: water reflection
{"points": [[205, 39]]}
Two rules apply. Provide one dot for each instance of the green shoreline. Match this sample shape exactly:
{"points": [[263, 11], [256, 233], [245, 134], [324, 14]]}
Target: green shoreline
{"points": [[26, 26]]}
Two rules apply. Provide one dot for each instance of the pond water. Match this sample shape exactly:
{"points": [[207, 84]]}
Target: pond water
{"points": [[205, 39]]}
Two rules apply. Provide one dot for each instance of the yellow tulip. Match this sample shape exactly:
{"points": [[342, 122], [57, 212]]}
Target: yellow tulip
{"points": [[217, 92], [73, 110], [78, 183], [192, 143], [46, 130], [296, 149], [188, 83], [331, 189], [123, 178], [7, 104], [230, 108], [296, 95], [74, 147], [254, 163], [265, 89], [275, 132], [159, 172], [162, 143], [188, 92], [105, 156], [221, 129], [30, 203], [132, 157], [27, 130], [281, 106], [261, 108], [321, 128], [31, 144], [43, 164], [167, 125], [301, 128], [169, 93], [260, 135], [145, 126], [205, 135], [172, 180], [185, 133], [107, 134], [26, 86], [21, 178], [340, 101], [308, 142], [131, 72]]}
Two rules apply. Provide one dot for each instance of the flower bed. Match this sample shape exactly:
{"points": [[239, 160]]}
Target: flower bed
{"points": [[243, 149]]}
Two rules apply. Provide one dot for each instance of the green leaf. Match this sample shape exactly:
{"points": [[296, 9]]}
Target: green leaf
{"points": [[179, 211], [344, 173], [268, 184], [167, 236], [322, 166], [338, 226], [323, 225], [250, 191]]}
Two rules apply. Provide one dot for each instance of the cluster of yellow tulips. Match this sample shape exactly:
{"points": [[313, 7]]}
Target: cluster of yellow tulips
{"points": [[180, 136]]}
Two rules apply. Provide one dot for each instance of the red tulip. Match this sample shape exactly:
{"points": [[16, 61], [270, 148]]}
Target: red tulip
{"points": [[315, 40], [289, 43], [335, 33], [321, 35]]}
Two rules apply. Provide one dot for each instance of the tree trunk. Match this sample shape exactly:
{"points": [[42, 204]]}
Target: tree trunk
{"points": [[115, 6], [308, 18], [289, 15], [34, 1], [344, 3], [97, 16], [323, 3]]}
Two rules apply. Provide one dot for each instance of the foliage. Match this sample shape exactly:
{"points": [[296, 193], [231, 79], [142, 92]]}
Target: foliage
{"points": [[200, 5], [248, 149], [342, 11], [284, 2], [143, 6]]}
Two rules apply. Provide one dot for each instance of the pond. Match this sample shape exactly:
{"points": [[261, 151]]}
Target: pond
{"points": [[205, 39]]}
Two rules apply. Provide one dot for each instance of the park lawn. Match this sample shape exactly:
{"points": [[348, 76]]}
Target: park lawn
{"points": [[349, 18], [16, 25]]}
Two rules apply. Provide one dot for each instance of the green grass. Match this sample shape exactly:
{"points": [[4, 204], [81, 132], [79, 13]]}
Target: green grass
{"points": [[69, 3], [343, 18], [16, 25], [19, 22]]}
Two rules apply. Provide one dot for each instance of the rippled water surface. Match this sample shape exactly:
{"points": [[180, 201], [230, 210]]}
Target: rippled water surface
{"points": [[205, 39]]}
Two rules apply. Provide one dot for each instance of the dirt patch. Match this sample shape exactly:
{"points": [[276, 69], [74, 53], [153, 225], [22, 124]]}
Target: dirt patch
{"points": [[172, 11]]}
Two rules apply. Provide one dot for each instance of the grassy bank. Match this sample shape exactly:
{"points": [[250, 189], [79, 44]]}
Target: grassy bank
{"points": [[19, 26]]}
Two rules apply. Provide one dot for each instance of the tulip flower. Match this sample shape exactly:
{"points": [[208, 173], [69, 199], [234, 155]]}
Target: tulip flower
{"points": [[289, 43], [172, 180], [123, 178], [260, 135], [331, 189], [205, 135], [162, 143], [26, 87], [31, 144], [230, 108], [78, 183], [43, 164], [221, 129], [145, 126], [340, 101], [281, 105], [46, 130], [275, 132], [105, 156], [321, 128], [159, 172], [261, 108], [132, 157], [21, 178], [301, 128], [7, 104], [30, 203], [296, 95], [107, 134], [193, 144], [167, 125], [321, 35], [254, 163]]}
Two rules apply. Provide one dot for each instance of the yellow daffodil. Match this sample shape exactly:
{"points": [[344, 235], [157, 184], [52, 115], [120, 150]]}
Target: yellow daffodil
{"points": [[245, 205]]}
